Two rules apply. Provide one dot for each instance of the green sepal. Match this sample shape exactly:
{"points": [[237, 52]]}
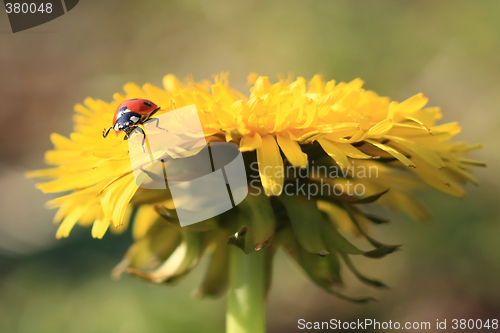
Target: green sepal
{"points": [[335, 240], [323, 271], [185, 257], [369, 199], [374, 218], [156, 246], [162, 240], [170, 216], [270, 251], [306, 222], [144, 196], [345, 198], [239, 239], [359, 275], [216, 277], [257, 214], [382, 249]]}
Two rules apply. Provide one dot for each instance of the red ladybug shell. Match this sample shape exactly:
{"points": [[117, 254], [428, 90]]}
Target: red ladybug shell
{"points": [[137, 105]]}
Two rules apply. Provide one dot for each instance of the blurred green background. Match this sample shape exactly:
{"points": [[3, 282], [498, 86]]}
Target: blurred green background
{"points": [[449, 50]]}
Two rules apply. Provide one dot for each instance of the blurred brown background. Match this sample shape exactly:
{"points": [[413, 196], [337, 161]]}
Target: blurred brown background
{"points": [[449, 268]]}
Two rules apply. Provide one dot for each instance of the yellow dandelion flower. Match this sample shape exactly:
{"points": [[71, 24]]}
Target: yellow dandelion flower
{"points": [[299, 135]]}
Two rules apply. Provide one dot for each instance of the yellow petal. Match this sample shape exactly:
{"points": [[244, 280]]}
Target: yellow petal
{"points": [[79, 180], [311, 113], [123, 200], [61, 142], [338, 216], [351, 151], [436, 178], [356, 137], [83, 110], [45, 173], [223, 93], [402, 158], [283, 115], [143, 220], [172, 83], [119, 229], [460, 174], [70, 220], [380, 129], [316, 85], [334, 152], [100, 227], [408, 130], [250, 142], [159, 96], [428, 116], [90, 215], [424, 152], [270, 166], [403, 109], [224, 114], [338, 131], [261, 87], [292, 151], [134, 91]]}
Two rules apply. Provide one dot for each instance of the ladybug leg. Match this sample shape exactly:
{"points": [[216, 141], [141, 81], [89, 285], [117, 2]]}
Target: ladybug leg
{"points": [[158, 122], [127, 136], [106, 132], [155, 119], [143, 138]]}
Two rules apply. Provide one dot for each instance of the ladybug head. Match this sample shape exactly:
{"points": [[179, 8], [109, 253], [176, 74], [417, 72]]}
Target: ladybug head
{"points": [[126, 122]]}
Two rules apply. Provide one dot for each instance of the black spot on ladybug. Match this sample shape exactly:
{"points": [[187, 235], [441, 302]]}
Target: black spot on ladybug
{"points": [[147, 103], [122, 109]]}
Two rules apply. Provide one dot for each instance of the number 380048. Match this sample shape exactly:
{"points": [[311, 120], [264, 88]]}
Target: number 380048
{"points": [[25, 8], [474, 324]]}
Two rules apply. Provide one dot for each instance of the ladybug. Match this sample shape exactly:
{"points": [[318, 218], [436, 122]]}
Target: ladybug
{"points": [[130, 114]]}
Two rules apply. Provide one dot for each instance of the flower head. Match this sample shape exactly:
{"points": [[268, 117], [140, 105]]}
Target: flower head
{"points": [[288, 125]]}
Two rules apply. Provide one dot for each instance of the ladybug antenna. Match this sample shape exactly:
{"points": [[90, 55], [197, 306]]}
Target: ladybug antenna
{"points": [[105, 132]]}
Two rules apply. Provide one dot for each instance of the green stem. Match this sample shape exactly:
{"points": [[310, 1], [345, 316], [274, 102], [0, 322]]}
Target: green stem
{"points": [[247, 292]]}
